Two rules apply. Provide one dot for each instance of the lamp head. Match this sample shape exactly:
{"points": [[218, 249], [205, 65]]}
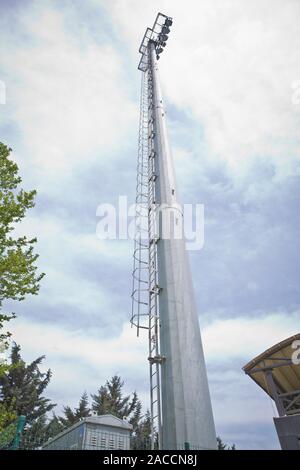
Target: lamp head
{"points": [[163, 37]]}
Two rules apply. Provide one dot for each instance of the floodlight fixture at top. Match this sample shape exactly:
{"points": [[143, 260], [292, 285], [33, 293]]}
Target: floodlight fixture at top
{"points": [[158, 34]]}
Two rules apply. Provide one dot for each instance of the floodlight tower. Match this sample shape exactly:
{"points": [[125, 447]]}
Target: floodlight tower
{"points": [[162, 296]]}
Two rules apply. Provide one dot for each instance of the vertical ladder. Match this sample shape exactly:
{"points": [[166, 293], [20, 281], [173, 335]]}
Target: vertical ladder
{"points": [[140, 273], [145, 289]]}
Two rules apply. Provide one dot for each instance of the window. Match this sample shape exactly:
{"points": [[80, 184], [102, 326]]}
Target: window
{"points": [[111, 443], [93, 441], [102, 442]]}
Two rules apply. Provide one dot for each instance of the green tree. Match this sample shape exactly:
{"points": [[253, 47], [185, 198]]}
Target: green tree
{"points": [[18, 272], [142, 436], [54, 426], [22, 387], [40, 431], [35, 434], [135, 417], [110, 399], [223, 446], [73, 416], [7, 415]]}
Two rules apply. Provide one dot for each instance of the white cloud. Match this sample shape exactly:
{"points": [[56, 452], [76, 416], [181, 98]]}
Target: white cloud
{"points": [[68, 97], [232, 64], [121, 351], [63, 251], [244, 338], [224, 341], [83, 362], [57, 235]]}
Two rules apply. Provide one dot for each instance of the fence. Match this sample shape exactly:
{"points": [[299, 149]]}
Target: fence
{"points": [[11, 436], [16, 437]]}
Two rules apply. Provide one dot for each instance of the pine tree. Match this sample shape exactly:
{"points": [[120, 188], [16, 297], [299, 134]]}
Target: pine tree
{"points": [[82, 411], [35, 434], [23, 386], [142, 437], [223, 446], [145, 427], [40, 431], [110, 399], [135, 418], [54, 426]]}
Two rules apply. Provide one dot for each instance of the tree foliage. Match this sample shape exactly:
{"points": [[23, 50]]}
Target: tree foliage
{"points": [[110, 399], [18, 271], [7, 415], [142, 434], [23, 385], [73, 416], [223, 446]]}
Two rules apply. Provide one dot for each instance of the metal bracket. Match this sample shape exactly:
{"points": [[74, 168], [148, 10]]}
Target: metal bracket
{"points": [[157, 359], [156, 290], [154, 240]]}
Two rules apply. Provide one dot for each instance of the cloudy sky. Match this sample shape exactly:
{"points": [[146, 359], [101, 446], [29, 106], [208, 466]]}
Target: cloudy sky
{"points": [[231, 79]]}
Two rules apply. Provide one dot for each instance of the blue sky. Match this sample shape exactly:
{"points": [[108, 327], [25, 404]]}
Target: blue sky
{"points": [[71, 117]]}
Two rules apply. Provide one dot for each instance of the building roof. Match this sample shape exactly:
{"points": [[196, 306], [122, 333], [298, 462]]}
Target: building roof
{"points": [[279, 359], [101, 420], [108, 420]]}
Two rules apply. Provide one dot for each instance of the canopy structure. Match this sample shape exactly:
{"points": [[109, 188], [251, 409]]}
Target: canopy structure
{"points": [[277, 372]]}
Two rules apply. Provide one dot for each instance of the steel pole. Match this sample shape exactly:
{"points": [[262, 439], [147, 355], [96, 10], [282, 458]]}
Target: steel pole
{"points": [[187, 417]]}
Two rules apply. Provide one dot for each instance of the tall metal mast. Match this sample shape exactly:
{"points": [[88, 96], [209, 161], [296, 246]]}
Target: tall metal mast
{"points": [[163, 297]]}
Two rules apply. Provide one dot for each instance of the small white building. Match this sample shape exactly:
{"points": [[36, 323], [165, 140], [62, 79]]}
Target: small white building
{"points": [[105, 432]]}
